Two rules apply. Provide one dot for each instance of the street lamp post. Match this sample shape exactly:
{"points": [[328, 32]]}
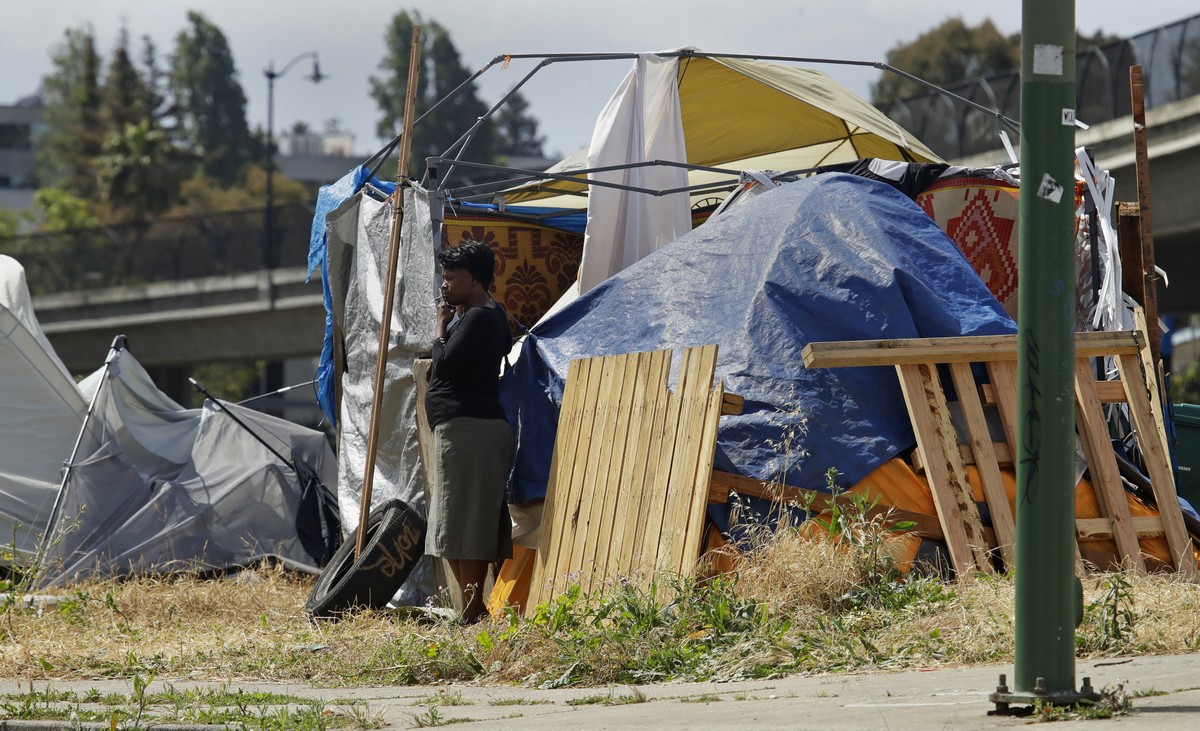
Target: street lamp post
{"points": [[269, 213]]}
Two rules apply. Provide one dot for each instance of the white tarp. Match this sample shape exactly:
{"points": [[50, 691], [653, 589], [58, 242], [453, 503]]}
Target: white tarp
{"points": [[358, 234], [40, 414], [156, 488], [640, 123]]}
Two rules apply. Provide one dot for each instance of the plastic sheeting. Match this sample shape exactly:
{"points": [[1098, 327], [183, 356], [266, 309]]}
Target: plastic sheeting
{"points": [[328, 199], [358, 238], [41, 411], [832, 257], [640, 123], [156, 488]]}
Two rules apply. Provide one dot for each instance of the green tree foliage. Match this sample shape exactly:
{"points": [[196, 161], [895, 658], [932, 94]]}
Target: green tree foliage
{"points": [[59, 210], [950, 52], [139, 171], [73, 115], [441, 72], [210, 103], [518, 130], [8, 223], [123, 96]]}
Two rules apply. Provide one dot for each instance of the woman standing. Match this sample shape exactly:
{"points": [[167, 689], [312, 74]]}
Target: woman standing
{"points": [[468, 522]]}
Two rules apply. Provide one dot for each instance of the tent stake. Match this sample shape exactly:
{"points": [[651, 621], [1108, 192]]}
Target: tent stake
{"points": [[385, 325]]}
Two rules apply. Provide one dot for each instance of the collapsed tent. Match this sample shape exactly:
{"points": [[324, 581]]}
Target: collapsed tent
{"points": [[832, 257], [156, 488], [41, 409]]}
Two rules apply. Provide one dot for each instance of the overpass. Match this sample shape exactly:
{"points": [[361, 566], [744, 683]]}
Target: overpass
{"points": [[185, 291], [271, 314]]}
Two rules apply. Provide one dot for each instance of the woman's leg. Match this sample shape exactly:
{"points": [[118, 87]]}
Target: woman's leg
{"points": [[470, 575]]}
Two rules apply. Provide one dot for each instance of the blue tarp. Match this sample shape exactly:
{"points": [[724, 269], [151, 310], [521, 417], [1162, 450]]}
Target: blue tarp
{"points": [[329, 198], [832, 257], [565, 219]]}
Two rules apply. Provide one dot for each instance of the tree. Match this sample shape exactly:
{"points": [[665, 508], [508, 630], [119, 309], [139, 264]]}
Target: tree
{"points": [[9, 221], [441, 72], [210, 103], [950, 52], [59, 210], [518, 131], [139, 171], [123, 96], [73, 117]]}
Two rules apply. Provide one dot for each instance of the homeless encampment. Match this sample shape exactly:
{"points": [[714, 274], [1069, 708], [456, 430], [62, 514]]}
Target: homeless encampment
{"points": [[832, 257]]}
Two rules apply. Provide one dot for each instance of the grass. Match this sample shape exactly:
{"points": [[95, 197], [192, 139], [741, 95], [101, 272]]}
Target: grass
{"points": [[796, 606], [823, 597]]}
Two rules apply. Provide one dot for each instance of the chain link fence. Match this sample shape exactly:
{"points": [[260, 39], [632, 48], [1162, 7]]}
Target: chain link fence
{"points": [[167, 249], [1170, 61]]}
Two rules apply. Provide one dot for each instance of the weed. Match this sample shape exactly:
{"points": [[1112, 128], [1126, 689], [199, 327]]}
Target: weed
{"points": [[518, 701], [1115, 613], [428, 719], [702, 698], [1114, 701], [610, 699]]}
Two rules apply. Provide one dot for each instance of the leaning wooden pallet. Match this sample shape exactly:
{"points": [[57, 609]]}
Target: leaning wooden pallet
{"points": [[630, 472], [944, 460]]}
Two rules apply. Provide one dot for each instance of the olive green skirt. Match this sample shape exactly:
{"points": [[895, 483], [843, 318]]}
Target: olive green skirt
{"points": [[468, 511]]}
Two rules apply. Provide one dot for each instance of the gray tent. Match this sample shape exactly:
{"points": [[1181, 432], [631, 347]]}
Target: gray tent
{"points": [[157, 488], [41, 410], [152, 486]]}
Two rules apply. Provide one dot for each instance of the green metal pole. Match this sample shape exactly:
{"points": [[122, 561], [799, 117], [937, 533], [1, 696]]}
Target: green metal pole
{"points": [[1045, 571]]}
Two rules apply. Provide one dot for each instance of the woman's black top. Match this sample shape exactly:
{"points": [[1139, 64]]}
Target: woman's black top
{"points": [[465, 378]]}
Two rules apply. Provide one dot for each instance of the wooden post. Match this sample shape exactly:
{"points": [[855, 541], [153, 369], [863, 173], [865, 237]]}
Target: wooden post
{"points": [[385, 325], [1142, 166]]}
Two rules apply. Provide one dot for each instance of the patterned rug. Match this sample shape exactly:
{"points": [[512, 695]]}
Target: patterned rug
{"points": [[534, 264], [980, 216]]}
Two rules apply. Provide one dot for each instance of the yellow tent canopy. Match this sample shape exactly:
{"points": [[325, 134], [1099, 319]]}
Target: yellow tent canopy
{"points": [[741, 114]]}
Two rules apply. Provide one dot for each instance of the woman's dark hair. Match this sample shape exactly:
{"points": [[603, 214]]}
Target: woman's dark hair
{"points": [[477, 258]]}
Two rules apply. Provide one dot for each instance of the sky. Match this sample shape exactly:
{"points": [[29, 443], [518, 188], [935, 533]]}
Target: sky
{"points": [[348, 36]]}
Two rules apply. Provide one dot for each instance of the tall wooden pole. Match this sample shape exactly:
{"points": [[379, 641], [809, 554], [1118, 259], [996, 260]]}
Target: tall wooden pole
{"points": [[385, 326], [1137, 100], [1045, 573]]}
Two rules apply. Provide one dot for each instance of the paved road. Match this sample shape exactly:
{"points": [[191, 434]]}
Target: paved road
{"points": [[1166, 694]]}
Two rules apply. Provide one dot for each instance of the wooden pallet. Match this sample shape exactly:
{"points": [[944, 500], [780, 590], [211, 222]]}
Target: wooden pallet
{"points": [[944, 460], [630, 472]]}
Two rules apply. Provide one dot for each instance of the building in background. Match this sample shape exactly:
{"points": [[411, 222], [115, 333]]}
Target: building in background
{"points": [[20, 126]]}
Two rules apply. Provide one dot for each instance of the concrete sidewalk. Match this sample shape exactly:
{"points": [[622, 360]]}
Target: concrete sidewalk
{"points": [[1165, 691]]}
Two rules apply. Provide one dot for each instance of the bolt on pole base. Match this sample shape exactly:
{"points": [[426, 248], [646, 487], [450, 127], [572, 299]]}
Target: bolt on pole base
{"points": [[1028, 701]]}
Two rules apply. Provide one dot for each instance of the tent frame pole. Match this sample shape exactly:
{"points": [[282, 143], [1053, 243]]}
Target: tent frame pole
{"points": [[114, 350], [199, 387]]}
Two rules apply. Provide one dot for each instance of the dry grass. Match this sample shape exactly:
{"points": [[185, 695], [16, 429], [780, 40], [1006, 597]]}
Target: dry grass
{"points": [[794, 605]]}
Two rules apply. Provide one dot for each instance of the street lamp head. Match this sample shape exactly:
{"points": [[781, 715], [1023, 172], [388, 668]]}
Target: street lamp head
{"points": [[316, 72]]}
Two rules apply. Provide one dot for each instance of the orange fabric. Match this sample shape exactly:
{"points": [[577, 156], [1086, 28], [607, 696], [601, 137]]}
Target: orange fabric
{"points": [[896, 485], [511, 587], [534, 264]]}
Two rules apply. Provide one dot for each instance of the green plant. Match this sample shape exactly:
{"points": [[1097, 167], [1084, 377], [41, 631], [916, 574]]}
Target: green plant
{"points": [[610, 699], [428, 719], [1112, 615]]}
